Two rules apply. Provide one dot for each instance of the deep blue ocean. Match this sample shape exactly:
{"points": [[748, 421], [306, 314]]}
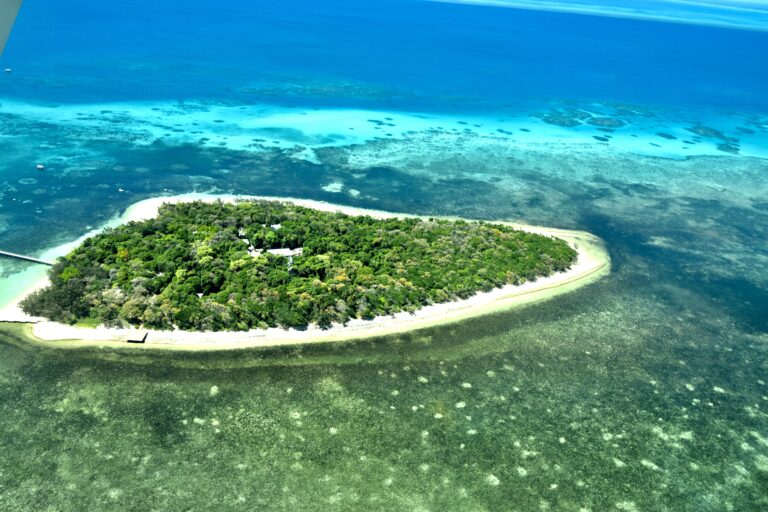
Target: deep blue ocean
{"points": [[149, 50], [644, 122]]}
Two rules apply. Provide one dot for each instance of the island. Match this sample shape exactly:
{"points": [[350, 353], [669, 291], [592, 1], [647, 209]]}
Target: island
{"points": [[210, 272]]}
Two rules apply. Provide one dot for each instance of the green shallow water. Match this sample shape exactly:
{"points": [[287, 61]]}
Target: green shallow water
{"points": [[647, 390], [589, 402]]}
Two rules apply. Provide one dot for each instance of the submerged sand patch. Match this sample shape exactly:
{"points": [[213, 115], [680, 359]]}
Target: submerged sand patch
{"points": [[593, 262]]}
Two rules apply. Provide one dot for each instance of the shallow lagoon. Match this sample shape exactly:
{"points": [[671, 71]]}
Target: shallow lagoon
{"points": [[645, 391]]}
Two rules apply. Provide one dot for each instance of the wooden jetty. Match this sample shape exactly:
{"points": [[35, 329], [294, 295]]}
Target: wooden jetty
{"points": [[25, 258]]}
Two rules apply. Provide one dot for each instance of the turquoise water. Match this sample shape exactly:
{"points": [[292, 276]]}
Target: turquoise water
{"points": [[645, 391]]}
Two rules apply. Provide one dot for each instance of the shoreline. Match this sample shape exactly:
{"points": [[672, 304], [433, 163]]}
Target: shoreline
{"points": [[593, 263]]}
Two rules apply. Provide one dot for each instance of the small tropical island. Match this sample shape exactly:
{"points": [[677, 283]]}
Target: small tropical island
{"points": [[258, 271], [258, 264]]}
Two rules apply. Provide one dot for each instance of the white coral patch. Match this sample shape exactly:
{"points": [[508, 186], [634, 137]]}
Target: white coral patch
{"points": [[334, 187]]}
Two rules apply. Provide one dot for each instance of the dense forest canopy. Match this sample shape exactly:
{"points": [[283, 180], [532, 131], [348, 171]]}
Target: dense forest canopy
{"points": [[208, 266]]}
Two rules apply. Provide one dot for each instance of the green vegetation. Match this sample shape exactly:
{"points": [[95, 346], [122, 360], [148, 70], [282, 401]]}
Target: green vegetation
{"points": [[206, 266]]}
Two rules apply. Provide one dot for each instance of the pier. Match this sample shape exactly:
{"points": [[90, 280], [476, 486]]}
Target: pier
{"points": [[25, 258]]}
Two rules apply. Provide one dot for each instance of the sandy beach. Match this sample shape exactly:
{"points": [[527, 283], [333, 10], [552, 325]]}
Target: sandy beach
{"points": [[593, 262]]}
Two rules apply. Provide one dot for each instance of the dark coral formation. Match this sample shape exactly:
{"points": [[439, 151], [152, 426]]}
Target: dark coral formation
{"points": [[629, 110], [559, 119], [707, 131], [567, 118], [607, 122], [572, 117], [727, 144], [728, 148]]}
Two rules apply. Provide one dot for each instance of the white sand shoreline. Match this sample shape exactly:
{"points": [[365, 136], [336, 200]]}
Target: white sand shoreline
{"points": [[593, 262]]}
